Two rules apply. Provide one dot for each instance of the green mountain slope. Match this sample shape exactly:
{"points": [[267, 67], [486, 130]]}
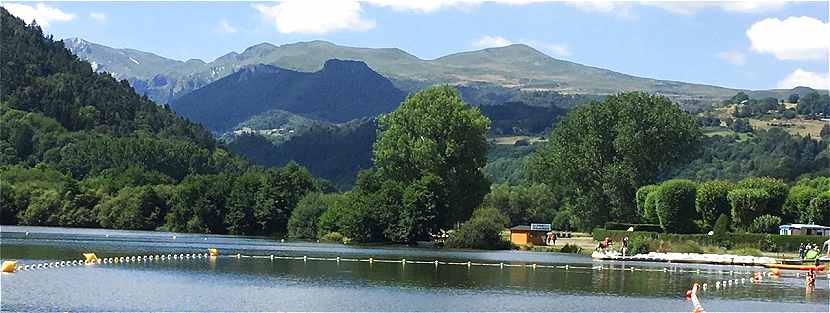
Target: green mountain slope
{"points": [[341, 91]]}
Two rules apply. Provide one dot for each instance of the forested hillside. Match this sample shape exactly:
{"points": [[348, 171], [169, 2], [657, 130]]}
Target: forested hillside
{"points": [[78, 148], [333, 151]]}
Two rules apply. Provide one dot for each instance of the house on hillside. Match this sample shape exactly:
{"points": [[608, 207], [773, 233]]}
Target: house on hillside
{"points": [[804, 229]]}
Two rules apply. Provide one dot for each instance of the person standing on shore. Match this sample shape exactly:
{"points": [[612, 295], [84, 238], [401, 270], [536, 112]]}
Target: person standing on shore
{"points": [[625, 245], [801, 251]]}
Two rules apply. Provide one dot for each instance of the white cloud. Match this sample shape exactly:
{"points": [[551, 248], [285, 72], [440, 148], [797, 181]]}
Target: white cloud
{"points": [[98, 17], [620, 9], [325, 16], [690, 8], [603, 6], [734, 57], [43, 14], [553, 49], [315, 16], [490, 42], [801, 77], [225, 27], [795, 38], [752, 6]]}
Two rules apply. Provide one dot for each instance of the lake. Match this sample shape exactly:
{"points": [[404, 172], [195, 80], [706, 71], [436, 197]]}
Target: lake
{"points": [[228, 283]]}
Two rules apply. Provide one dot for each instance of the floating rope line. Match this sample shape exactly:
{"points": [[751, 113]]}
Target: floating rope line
{"points": [[91, 258]]}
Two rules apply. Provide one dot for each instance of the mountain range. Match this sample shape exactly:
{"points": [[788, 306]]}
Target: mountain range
{"points": [[515, 67]]}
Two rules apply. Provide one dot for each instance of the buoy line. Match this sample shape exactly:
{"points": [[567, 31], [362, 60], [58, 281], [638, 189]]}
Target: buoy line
{"points": [[91, 258]]}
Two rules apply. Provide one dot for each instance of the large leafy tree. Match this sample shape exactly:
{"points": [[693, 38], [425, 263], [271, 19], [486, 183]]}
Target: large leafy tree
{"points": [[604, 151], [433, 133]]}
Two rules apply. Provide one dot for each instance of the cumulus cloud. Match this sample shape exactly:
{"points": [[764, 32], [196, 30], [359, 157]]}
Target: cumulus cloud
{"points": [[315, 16], [734, 57], [795, 38], [801, 77], [225, 27], [490, 42], [553, 49], [43, 14], [98, 17]]}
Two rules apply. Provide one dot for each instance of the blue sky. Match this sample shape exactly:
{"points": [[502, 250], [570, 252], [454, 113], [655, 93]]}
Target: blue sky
{"points": [[755, 45]]}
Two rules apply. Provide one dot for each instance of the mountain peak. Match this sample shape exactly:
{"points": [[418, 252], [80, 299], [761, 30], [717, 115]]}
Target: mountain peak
{"points": [[75, 43], [515, 49], [258, 49]]}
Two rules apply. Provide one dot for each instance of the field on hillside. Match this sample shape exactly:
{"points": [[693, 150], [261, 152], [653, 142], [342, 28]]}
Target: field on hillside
{"points": [[797, 126]]}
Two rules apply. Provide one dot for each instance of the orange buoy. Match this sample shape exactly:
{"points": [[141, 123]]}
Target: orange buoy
{"points": [[775, 271], [90, 257], [213, 252], [9, 266]]}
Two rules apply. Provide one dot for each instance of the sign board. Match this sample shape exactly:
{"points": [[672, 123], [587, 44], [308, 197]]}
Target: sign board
{"points": [[544, 227]]}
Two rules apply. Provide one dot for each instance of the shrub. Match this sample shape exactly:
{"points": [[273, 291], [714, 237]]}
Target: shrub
{"points": [[333, 237], [645, 214], [747, 251], [686, 246], [675, 205], [765, 224], [721, 227], [747, 204], [711, 200], [482, 231], [305, 217], [650, 208], [756, 196], [569, 248], [641, 244]]}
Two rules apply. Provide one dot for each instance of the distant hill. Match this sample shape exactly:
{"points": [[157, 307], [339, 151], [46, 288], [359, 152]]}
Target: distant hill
{"points": [[339, 92], [517, 67]]}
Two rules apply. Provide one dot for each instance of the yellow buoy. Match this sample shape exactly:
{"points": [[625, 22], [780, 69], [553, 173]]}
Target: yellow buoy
{"points": [[9, 266], [213, 252], [90, 257]]}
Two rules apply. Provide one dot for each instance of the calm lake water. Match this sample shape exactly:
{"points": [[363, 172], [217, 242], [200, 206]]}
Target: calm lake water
{"points": [[254, 284]]}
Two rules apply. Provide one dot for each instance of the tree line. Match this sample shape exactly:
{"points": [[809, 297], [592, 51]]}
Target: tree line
{"points": [[755, 204]]}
